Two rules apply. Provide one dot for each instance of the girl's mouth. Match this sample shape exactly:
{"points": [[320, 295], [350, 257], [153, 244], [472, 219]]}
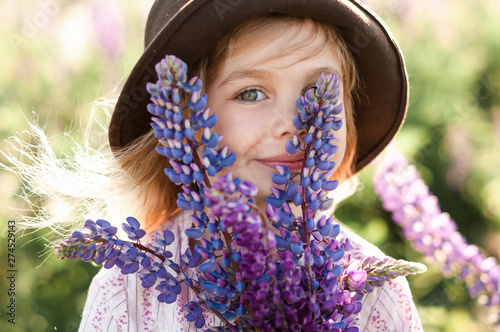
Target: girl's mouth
{"points": [[294, 162]]}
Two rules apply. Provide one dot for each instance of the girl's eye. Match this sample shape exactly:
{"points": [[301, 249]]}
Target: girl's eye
{"points": [[251, 95]]}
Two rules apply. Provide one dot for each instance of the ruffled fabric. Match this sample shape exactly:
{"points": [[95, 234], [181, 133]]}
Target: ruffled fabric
{"points": [[119, 303]]}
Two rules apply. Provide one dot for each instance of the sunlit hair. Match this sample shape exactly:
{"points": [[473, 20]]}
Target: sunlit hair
{"points": [[59, 190], [133, 182]]}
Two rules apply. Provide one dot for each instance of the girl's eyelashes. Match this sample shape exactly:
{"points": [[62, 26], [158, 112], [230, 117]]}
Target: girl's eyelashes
{"points": [[254, 94], [251, 95], [308, 88]]}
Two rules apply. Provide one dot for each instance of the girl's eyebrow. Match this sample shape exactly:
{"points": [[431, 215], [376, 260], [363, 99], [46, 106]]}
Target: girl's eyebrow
{"points": [[246, 73], [314, 74], [266, 74]]}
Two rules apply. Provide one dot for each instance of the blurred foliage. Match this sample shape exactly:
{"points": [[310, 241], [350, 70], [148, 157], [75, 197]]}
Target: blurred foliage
{"points": [[57, 59], [451, 134]]}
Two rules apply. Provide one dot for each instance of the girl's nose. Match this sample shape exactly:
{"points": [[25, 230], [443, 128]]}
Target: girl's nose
{"points": [[282, 120]]}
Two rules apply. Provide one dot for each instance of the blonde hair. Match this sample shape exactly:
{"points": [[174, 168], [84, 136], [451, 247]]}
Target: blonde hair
{"points": [[146, 168], [136, 174]]}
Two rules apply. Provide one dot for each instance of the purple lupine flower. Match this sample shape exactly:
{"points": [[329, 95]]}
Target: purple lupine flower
{"points": [[433, 232], [268, 270]]}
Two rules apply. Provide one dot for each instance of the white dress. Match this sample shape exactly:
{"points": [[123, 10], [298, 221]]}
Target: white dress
{"points": [[117, 302]]}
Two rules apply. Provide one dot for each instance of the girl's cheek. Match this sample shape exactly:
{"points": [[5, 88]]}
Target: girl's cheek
{"points": [[243, 129], [238, 140], [342, 135]]}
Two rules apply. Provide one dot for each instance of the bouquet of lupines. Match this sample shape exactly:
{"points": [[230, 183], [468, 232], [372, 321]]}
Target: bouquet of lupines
{"points": [[255, 270], [434, 233]]}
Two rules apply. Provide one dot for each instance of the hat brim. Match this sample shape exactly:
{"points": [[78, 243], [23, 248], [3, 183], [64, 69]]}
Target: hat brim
{"points": [[198, 26]]}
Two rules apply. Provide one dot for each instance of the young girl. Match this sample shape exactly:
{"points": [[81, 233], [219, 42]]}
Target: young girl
{"points": [[255, 59]]}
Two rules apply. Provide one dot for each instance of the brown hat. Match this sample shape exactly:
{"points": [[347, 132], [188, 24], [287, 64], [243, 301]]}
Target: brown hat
{"points": [[188, 29]]}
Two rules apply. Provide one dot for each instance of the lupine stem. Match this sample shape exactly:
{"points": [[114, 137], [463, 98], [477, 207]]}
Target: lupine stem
{"points": [[197, 160], [141, 247], [304, 203]]}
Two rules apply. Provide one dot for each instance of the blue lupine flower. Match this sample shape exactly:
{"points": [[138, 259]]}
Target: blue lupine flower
{"points": [[300, 279], [133, 229]]}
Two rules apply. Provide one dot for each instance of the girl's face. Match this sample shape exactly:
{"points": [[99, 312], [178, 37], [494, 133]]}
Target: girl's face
{"points": [[254, 96]]}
